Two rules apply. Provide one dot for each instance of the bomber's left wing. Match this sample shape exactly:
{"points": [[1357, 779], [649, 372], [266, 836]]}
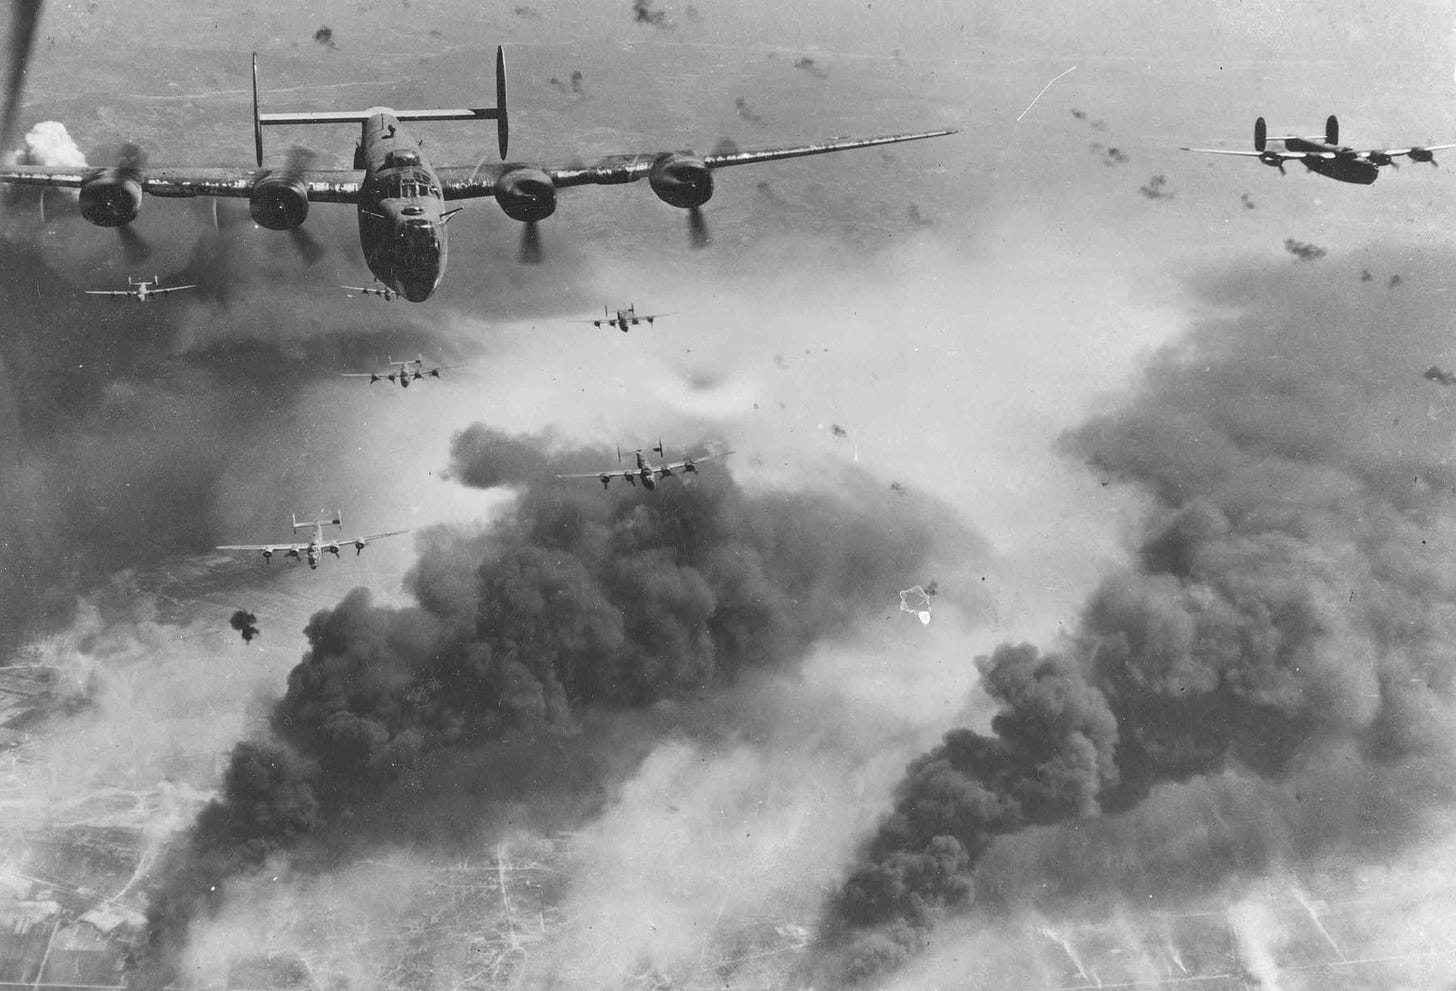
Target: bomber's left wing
{"points": [[1418, 153], [111, 292], [322, 185], [465, 182], [1269, 154], [688, 464]]}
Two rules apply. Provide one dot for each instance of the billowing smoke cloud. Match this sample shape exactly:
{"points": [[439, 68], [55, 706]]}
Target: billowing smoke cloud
{"points": [[245, 623], [1266, 683], [540, 654], [1303, 250]]}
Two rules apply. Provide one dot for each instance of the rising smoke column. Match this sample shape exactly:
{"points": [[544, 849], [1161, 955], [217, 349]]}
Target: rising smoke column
{"points": [[528, 650], [1278, 649]]}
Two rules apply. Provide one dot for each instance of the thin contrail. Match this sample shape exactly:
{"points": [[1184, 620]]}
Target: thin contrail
{"points": [[1038, 96]]}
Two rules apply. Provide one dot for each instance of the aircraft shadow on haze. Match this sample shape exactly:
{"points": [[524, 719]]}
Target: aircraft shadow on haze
{"points": [[141, 290], [315, 545], [403, 372], [1325, 155], [399, 196], [645, 471], [623, 320]]}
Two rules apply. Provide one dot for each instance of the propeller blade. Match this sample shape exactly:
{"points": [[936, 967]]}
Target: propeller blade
{"points": [[698, 228], [530, 251], [134, 247], [307, 246]]}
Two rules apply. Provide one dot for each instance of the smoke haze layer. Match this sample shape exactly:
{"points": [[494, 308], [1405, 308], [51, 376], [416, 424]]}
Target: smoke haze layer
{"points": [[1265, 684]]}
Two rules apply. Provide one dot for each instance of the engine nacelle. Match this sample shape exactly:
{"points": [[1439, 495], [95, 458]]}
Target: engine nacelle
{"points": [[279, 202], [526, 194], [681, 181], [111, 198]]}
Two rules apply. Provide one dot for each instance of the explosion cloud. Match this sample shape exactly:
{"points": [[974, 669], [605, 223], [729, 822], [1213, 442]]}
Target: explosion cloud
{"points": [[1275, 650], [572, 613], [245, 623]]}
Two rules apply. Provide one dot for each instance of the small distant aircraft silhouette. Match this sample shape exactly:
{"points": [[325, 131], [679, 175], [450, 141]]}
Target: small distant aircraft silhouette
{"points": [[646, 471], [624, 319], [141, 290], [315, 544], [382, 291], [403, 372]]}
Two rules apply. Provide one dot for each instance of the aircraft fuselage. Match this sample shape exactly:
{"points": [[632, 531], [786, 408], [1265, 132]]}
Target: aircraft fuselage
{"points": [[1344, 167], [401, 227]]}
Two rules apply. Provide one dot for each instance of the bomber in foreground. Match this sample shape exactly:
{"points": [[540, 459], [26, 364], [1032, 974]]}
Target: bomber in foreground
{"points": [[645, 471], [399, 196], [1326, 155], [315, 545]]}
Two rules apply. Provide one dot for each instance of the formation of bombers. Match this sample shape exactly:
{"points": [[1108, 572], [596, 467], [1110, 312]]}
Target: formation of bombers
{"points": [[404, 204]]}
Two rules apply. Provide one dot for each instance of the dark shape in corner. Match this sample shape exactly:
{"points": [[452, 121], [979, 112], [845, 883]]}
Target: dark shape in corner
{"points": [[245, 623], [1303, 250], [1436, 374]]}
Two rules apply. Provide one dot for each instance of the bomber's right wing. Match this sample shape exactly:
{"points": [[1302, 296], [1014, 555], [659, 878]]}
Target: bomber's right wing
{"points": [[163, 292], [111, 292], [322, 185]]}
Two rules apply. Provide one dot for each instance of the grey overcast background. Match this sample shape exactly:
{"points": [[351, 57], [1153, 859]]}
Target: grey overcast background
{"points": [[1157, 424]]}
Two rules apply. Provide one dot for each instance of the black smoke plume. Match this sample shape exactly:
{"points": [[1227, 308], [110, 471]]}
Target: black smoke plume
{"points": [[245, 623], [1268, 682], [528, 649], [1303, 250], [325, 36]]}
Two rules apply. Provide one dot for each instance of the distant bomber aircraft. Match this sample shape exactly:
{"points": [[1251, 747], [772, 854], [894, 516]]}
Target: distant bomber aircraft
{"points": [[646, 471], [310, 550], [383, 292], [400, 198], [1326, 155], [403, 372], [624, 319], [141, 290]]}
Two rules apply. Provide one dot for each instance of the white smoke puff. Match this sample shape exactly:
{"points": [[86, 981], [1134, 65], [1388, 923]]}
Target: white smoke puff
{"points": [[49, 143]]}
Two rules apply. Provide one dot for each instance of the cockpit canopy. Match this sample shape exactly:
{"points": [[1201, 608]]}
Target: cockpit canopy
{"points": [[407, 184], [401, 159]]}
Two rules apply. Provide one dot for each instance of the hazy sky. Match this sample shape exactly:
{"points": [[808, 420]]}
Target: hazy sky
{"points": [[954, 307]]}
